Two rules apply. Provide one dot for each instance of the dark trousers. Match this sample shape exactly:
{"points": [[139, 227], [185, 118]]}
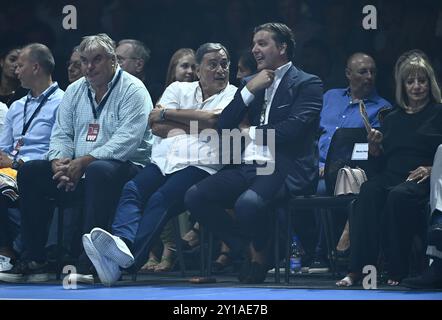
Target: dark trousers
{"points": [[7, 229], [237, 187], [147, 202], [389, 214], [98, 192]]}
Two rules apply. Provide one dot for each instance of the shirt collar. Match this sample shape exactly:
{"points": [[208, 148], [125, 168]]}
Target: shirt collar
{"points": [[372, 97], [199, 93], [280, 72], [43, 94]]}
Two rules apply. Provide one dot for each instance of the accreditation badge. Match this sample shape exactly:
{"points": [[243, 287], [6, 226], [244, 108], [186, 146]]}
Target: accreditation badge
{"points": [[20, 143], [92, 132]]}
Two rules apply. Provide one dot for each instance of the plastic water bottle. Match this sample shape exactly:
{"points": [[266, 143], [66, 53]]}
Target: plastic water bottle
{"points": [[295, 256]]}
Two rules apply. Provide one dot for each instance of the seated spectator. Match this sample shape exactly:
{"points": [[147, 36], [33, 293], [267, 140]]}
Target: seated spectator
{"points": [[157, 193], [10, 89], [281, 100], [74, 66], [432, 276], [27, 129], [392, 204], [246, 66], [341, 110], [181, 68], [133, 56], [99, 142]]}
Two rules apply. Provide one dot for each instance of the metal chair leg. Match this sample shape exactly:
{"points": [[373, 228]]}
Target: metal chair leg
{"points": [[60, 227], [277, 275], [287, 248], [179, 247]]}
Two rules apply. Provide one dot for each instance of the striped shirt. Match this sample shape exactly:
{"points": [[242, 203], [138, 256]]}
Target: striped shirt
{"points": [[123, 130]]}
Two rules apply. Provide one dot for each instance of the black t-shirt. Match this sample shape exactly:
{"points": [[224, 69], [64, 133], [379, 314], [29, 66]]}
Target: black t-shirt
{"points": [[10, 98], [411, 140]]}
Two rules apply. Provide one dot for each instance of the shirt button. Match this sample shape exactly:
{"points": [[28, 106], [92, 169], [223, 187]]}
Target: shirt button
{"points": [[343, 116]]}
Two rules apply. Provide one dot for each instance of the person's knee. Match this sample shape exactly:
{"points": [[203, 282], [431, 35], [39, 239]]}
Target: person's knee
{"points": [[192, 197], [130, 190], [31, 169], [192, 201], [398, 196], [97, 171], [248, 206]]}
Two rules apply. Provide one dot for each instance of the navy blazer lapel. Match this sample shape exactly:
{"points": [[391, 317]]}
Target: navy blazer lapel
{"points": [[286, 83], [282, 94]]}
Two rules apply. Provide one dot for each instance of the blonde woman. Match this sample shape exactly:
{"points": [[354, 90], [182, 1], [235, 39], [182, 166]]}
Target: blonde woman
{"points": [[391, 206]]}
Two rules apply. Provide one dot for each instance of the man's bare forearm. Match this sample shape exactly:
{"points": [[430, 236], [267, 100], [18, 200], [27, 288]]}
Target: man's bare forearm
{"points": [[169, 128], [205, 119]]}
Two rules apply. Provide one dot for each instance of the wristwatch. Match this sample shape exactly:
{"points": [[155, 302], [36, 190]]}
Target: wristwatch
{"points": [[15, 164]]}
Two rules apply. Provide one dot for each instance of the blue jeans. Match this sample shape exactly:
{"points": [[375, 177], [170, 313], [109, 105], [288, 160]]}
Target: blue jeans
{"points": [[147, 202]]}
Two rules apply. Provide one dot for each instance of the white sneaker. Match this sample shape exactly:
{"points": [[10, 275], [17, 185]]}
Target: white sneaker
{"points": [[80, 278], [107, 269], [112, 247], [5, 263]]}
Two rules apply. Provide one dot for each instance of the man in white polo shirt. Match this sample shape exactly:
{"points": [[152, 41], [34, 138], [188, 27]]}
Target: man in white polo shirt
{"points": [[179, 160]]}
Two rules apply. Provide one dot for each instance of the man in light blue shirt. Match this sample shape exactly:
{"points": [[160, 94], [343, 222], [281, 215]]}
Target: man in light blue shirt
{"points": [[28, 125], [341, 110], [100, 141]]}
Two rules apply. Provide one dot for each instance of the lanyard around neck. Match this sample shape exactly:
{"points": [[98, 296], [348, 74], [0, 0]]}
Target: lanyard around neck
{"points": [[104, 100], [43, 101]]}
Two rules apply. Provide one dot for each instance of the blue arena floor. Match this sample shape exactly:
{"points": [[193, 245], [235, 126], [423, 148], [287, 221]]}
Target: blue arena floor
{"points": [[171, 286], [198, 292]]}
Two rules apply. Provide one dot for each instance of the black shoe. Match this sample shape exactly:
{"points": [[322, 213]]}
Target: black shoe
{"points": [[430, 279], [218, 267], [24, 270]]}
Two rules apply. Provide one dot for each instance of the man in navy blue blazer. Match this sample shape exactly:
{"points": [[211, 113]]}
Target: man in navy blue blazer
{"points": [[277, 112]]}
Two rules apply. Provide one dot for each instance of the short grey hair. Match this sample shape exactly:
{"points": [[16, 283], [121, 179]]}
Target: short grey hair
{"points": [[140, 51], [41, 54], [209, 47], [96, 41]]}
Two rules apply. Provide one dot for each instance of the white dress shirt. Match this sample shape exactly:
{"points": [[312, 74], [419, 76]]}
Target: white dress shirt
{"points": [[176, 153]]}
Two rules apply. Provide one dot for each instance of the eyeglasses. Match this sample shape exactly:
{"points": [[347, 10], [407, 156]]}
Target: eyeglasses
{"points": [[213, 65]]}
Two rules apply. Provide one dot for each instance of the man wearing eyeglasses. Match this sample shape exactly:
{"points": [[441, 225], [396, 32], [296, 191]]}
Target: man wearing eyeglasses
{"points": [[282, 102], [74, 66], [178, 161], [132, 56], [100, 141]]}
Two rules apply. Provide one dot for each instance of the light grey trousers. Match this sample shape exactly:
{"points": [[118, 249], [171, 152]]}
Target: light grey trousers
{"points": [[436, 181]]}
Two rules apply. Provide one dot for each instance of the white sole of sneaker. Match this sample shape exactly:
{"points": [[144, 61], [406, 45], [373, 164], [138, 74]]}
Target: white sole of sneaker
{"points": [[106, 245], [11, 278], [107, 273], [81, 278]]}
